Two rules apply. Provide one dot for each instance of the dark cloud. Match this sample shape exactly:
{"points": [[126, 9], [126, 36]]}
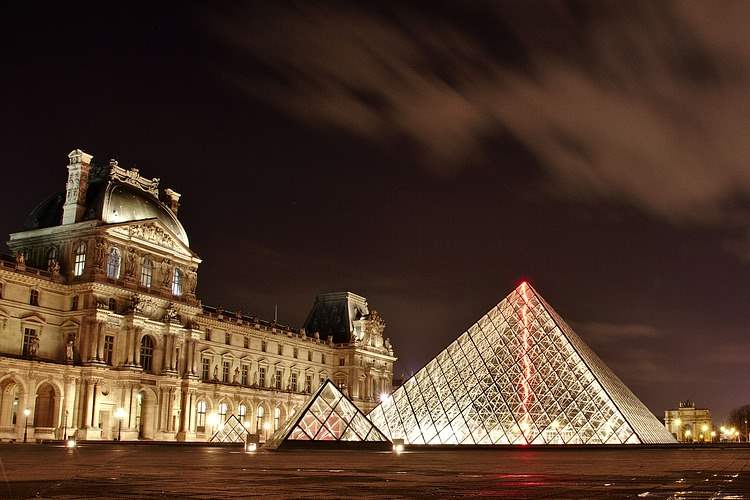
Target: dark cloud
{"points": [[641, 102]]}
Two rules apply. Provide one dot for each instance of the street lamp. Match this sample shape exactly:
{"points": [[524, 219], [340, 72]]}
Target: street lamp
{"points": [[26, 413], [120, 416], [688, 433]]}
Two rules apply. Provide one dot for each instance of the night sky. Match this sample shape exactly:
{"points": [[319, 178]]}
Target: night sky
{"points": [[428, 156]]}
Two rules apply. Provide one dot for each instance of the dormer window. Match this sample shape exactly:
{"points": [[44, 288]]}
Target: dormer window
{"points": [[79, 259], [177, 282], [147, 272], [113, 263]]}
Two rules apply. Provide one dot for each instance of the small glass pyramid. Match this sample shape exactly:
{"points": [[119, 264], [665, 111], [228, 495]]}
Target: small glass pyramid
{"points": [[327, 416], [520, 375], [232, 431]]}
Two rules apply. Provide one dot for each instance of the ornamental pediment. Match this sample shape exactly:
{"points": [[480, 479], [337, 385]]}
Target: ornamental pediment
{"points": [[153, 232], [33, 318]]}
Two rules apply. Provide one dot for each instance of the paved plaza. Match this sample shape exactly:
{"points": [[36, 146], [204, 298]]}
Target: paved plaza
{"points": [[107, 470]]}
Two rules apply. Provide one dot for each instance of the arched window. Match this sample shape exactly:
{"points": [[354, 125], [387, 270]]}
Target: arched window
{"points": [[259, 420], [79, 259], [113, 263], [44, 410], [147, 353], [177, 282], [242, 412], [147, 271], [51, 256], [276, 418], [201, 416], [222, 412]]}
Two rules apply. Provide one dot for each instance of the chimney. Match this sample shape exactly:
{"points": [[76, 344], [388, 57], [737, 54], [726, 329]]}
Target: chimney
{"points": [[172, 198], [79, 165]]}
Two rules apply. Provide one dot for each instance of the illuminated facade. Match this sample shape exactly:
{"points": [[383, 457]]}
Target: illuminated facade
{"points": [[101, 330], [520, 376], [689, 424], [328, 417]]}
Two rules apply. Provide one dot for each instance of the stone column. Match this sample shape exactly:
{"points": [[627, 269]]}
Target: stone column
{"points": [[133, 407], [137, 348], [129, 345], [76, 413], [94, 412], [100, 348], [194, 356], [87, 408], [173, 366]]}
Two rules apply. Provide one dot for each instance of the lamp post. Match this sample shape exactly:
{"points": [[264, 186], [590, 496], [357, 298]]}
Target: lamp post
{"points": [[26, 413], [747, 436], [120, 416]]}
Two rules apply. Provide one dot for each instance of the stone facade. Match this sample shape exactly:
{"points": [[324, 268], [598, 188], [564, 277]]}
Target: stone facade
{"points": [[102, 334], [689, 424]]}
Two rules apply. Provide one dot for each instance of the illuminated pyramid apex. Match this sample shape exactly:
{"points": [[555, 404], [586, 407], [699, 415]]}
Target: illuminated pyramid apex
{"points": [[519, 375]]}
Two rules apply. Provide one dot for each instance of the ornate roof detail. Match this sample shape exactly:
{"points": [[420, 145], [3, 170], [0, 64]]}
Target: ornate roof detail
{"points": [[134, 178]]}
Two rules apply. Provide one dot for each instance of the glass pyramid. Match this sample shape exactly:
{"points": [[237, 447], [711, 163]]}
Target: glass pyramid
{"points": [[327, 416], [231, 432], [520, 375]]}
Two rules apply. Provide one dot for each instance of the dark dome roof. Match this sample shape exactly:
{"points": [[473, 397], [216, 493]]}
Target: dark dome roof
{"points": [[111, 202]]}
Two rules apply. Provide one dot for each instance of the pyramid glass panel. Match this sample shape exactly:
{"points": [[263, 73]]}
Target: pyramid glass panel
{"points": [[520, 375], [328, 416], [231, 432]]}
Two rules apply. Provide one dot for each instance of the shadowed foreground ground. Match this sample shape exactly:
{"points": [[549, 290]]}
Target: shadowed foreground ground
{"points": [[200, 472]]}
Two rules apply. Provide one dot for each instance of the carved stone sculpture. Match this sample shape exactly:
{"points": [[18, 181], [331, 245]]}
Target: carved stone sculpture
{"points": [[130, 263], [236, 375], [34, 347], [100, 251], [20, 259], [54, 268], [69, 352], [216, 372]]}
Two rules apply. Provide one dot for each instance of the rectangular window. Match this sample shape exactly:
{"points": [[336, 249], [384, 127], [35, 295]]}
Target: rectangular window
{"points": [[79, 260], [342, 361], [295, 353], [28, 339], [309, 355], [109, 348], [205, 368], [34, 297], [294, 382], [281, 350], [225, 372], [323, 358], [247, 342], [278, 379], [228, 338], [74, 305], [146, 273], [262, 376], [263, 346], [308, 384], [244, 374]]}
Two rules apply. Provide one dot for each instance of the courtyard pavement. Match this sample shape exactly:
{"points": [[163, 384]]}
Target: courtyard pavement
{"points": [[111, 470]]}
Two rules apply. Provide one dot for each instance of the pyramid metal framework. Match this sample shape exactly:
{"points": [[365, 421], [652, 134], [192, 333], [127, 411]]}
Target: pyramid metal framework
{"points": [[327, 416], [520, 375], [232, 431]]}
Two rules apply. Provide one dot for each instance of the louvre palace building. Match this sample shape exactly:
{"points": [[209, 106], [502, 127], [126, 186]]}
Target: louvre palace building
{"points": [[102, 334]]}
